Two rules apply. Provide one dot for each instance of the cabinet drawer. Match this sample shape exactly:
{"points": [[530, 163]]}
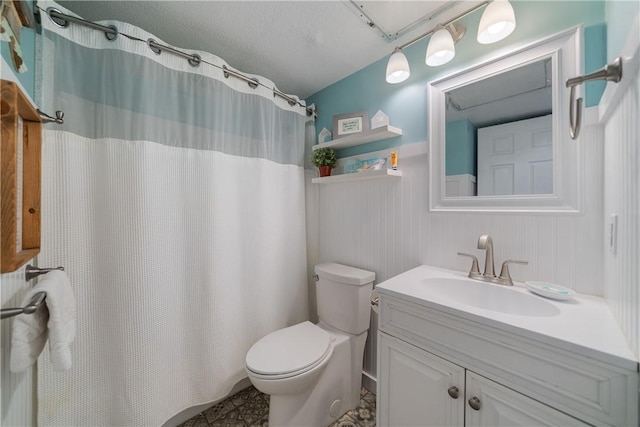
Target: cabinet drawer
{"points": [[585, 388]]}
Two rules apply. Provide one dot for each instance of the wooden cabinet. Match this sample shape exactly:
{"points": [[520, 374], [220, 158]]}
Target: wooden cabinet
{"points": [[20, 160], [517, 381]]}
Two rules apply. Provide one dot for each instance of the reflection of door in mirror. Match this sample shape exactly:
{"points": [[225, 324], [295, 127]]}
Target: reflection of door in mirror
{"points": [[516, 158], [506, 108]]}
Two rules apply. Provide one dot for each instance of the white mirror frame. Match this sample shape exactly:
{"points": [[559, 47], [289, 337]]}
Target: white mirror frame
{"points": [[566, 53]]}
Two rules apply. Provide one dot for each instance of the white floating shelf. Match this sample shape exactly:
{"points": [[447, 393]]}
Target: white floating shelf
{"points": [[334, 179], [377, 134]]}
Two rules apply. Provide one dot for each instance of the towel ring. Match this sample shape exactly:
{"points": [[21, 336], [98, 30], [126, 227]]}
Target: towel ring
{"points": [[611, 72]]}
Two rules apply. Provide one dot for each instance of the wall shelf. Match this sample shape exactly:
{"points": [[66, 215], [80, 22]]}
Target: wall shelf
{"points": [[345, 177], [372, 135]]}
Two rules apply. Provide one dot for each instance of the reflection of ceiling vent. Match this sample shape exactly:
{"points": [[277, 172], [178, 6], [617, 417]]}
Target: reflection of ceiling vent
{"points": [[515, 82]]}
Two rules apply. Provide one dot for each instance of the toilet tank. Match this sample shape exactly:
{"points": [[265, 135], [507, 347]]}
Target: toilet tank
{"points": [[342, 295]]}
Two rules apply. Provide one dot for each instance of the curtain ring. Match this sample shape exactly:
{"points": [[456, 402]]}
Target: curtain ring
{"points": [[195, 60], [60, 22], [151, 43], [111, 36]]}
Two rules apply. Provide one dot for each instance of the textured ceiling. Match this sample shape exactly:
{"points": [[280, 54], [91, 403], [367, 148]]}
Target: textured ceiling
{"points": [[302, 46]]}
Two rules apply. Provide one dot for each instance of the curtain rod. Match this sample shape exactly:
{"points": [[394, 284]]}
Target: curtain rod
{"points": [[111, 33]]}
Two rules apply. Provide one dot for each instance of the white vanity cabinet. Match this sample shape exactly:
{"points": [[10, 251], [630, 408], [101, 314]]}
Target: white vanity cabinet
{"points": [[414, 386], [417, 388], [430, 347], [502, 407]]}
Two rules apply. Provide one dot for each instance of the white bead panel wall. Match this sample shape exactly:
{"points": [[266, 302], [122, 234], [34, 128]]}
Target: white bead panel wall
{"points": [[622, 198]]}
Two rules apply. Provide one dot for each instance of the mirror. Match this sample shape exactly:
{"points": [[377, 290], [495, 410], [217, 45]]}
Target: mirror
{"points": [[498, 134]]}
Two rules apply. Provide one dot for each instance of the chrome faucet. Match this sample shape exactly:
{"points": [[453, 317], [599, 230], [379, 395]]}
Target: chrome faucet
{"points": [[485, 242]]}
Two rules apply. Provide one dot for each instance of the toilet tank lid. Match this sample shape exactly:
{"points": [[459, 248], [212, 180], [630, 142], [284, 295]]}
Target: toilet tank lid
{"points": [[344, 274]]}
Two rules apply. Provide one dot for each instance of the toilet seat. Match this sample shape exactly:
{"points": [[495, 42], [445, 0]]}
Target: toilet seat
{"points": [[289, 352]]}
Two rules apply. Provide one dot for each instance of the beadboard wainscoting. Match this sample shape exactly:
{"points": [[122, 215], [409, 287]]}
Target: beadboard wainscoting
{"points": [[18, 390], [620, 109], [385, 226]]}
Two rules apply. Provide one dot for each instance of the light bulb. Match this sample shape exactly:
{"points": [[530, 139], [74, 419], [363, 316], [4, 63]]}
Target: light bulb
{"points": [[441, 48], [497, 22], [397, 67]]}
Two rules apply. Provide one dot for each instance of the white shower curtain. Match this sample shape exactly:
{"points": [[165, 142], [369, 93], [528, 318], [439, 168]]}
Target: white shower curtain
{"points": [[174, 198]]}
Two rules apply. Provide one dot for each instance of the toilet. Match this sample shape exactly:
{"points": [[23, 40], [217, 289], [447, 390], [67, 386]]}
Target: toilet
{"points": [[313, 372]]}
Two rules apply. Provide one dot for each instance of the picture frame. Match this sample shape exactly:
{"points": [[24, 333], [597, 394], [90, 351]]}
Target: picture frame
{"points": [[350, 124], [20, 166]]}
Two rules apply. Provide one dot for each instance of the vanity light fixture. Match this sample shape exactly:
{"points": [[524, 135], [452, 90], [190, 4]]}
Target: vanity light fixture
{"points": [[496, 23], [441, 47], [398, 67]]}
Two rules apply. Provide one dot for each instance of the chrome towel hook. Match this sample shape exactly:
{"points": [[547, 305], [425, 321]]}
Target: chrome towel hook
{"points": [[32, 272], [59, 118], [611, 72]]}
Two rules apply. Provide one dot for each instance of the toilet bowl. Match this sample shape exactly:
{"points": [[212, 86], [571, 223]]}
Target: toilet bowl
{"points": [[313, 372], [289, 360]]}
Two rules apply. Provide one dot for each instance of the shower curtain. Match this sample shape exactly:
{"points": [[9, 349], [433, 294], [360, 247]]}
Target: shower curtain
{"points": [[174, 198]]}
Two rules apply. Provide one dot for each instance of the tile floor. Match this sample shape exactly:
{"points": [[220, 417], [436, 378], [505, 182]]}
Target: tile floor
{"points": [[250, 408]]}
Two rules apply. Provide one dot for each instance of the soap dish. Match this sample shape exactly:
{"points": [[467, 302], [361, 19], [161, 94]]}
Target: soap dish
{"points": [[550, 290]]}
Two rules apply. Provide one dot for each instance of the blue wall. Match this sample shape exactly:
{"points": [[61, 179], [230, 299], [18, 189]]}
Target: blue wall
{"points": [[406, 103], [28, 46], [461, 147], [620, 14]]}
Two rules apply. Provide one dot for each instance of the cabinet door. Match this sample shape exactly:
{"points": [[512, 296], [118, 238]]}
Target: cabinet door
{"points": [[498, 406], [416, 388]]}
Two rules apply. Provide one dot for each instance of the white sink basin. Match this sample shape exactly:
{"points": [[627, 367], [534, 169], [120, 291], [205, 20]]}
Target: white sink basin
{"points": [[490, 297]]}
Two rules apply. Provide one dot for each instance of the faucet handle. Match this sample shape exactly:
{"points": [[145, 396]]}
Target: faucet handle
{"points": [[475, 270], [505, 277]]}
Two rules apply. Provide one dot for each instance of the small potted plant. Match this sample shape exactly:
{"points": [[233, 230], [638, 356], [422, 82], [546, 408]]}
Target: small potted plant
{"points": [[324, 159]]}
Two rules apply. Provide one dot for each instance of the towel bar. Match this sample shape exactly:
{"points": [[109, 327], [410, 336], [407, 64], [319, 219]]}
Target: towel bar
{"points": [[32, 272], [33, 305]]}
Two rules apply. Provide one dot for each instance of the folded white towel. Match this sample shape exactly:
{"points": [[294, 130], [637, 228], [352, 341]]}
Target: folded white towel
{"points": [[55, 319]]}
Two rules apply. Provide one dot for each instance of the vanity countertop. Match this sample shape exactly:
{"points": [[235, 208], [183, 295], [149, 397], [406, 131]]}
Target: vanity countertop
{"points": [[583, 324]]}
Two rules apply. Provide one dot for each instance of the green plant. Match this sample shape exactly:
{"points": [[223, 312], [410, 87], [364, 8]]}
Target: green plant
{"points": [[324, 157]]}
